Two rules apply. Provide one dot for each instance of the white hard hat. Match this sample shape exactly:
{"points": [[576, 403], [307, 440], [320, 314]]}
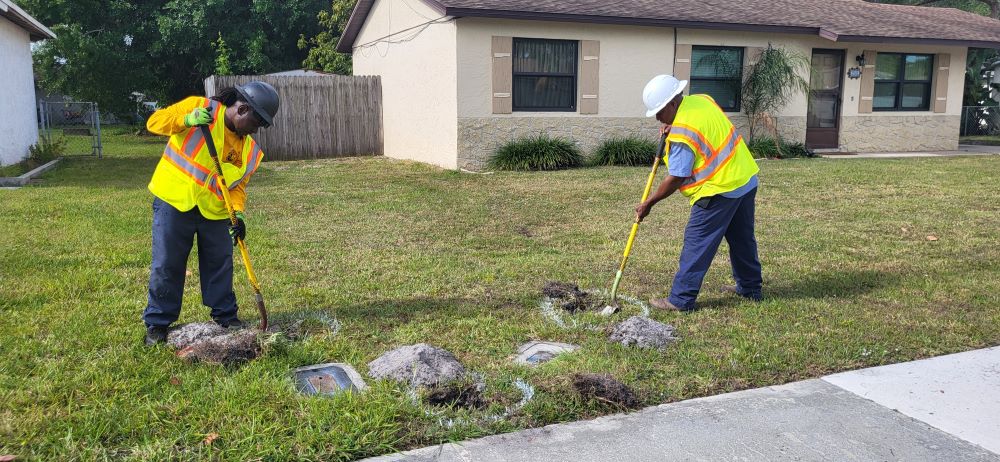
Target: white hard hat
{"points": [[660, 91]]}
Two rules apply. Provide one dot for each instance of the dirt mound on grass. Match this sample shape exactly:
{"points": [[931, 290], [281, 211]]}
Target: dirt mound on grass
{"points": [[185, 335], [456, 394], [643, 333], [231, 349], [569, 297], [417, 365], [605, 388]]}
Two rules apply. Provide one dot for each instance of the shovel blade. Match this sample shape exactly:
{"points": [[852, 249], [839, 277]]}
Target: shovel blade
{"points": [[611, 309]]}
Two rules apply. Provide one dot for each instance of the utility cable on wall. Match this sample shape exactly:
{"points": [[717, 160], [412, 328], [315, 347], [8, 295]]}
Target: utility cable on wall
{"points": [[416, 31]]}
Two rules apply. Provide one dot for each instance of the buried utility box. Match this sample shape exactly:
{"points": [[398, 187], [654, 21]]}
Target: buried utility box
{"points": [[328, 379], [537, 352]]}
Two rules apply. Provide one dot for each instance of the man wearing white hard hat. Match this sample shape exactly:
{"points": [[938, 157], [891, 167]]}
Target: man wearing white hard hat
{"points": [[708, 162]]}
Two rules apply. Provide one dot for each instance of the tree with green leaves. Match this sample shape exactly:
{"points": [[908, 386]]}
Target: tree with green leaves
{"points": [[989, 8], [979, 87], [322, 48], [110, 50]]}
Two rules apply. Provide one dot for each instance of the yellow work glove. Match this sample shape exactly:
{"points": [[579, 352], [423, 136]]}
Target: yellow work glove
{"points": [[199, 116]]}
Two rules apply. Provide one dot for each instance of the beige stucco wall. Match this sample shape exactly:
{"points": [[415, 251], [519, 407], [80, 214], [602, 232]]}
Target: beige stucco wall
{"points": [[438, 86], [877, 131], [629, 57], [19, 129], [419, 79]]}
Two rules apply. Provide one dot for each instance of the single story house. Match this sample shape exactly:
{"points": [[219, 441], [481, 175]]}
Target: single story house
{"points": [[20, 127], [461, 77]]}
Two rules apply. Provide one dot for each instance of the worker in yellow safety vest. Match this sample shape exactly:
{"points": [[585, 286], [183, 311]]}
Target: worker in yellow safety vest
{"points": [[708, 162], [188, 200]]}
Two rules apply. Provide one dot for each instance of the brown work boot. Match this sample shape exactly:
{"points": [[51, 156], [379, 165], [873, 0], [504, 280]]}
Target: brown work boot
{"points": [[664, 304]]}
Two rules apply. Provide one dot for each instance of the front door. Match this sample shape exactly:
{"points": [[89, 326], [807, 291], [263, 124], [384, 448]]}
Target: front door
{"points": [[823, 118]]}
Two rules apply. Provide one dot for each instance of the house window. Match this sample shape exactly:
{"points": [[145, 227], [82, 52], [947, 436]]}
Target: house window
{"points": [[718, 72], [544, 75], [902, 82]]}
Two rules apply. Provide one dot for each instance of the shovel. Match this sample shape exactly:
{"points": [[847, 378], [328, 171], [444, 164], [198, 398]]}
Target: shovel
{"points": [[232, 218], [613, 307]]}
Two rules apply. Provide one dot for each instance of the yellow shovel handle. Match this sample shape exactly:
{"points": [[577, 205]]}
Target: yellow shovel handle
{"points": [[244, 253], [645, 195]]}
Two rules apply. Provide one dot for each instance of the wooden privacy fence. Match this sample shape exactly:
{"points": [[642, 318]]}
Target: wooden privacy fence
{"points": [[320, 116]]}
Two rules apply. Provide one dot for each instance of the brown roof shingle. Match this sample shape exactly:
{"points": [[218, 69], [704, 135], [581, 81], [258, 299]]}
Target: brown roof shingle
{"points": [[841, 20]]}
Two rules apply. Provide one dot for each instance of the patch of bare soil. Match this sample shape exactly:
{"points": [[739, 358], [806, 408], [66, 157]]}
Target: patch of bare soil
{"points": [[605, 388], [456, 394], [232, 349], [569, 297]]}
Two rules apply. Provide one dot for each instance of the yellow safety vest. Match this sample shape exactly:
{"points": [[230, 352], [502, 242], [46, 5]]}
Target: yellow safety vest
{"points": [[722, 162], [185, 177]]}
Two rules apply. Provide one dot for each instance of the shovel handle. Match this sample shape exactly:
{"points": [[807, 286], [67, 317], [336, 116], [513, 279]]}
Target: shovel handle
{"points": [[635, 226], [244, 253]]}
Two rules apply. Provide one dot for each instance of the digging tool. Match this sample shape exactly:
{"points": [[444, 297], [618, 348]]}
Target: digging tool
{"points": [[613, 307], [232, 218]]}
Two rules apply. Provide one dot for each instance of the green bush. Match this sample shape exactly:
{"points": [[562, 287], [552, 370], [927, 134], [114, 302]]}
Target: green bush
{"points": [[629, 150], [764, 147], [46, 150], [540, 152]]}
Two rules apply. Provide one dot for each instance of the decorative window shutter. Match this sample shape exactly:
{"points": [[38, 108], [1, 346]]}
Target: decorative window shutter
{"points": [[940, 93], [867, 83], [590, 69], [503, 74], [682, 65]]}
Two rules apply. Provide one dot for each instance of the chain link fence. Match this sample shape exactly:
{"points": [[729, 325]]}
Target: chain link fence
{"points": [[980, 121], [77, 124]]}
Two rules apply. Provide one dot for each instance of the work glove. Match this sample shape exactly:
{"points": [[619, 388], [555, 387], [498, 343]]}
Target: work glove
{"points": [[238, 232], [199, 116]]}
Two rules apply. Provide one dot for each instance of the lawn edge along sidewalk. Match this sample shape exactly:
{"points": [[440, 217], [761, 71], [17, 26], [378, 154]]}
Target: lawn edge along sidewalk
{"points": [[880, 413]]}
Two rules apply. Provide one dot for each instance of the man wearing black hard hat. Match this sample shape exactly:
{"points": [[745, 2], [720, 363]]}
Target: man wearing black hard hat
{"points": [[188, 201]]}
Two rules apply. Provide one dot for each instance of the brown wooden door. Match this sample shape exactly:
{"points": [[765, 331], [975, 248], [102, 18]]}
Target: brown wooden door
{"points": [[825, 99]]}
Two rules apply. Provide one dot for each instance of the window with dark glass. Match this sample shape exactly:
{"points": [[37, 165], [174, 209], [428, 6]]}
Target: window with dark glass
{"points": [[544, 75], [718, 72], [902, 82]]}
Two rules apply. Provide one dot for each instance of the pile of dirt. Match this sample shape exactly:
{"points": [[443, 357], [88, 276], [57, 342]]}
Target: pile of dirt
{"points": [[605, 388], [185, 335], [456, 394], [231, 349], [643, 333], [569, 297], [417, 365], [210, 343]]}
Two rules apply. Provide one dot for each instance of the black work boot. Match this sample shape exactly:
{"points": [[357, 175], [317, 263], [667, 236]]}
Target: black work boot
{"points": [[234, 323], [156, 334]]}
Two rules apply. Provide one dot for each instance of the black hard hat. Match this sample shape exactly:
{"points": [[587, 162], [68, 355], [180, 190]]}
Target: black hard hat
{"points": [[263, 98]]}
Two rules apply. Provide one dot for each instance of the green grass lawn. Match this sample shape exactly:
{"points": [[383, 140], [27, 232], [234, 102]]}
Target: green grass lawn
{"points": [[402, 253]]}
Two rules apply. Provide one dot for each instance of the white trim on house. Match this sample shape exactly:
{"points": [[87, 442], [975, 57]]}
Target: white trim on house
{"points": [[16, 15]]}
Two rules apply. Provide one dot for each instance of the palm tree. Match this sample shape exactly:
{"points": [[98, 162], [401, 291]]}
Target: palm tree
{"points": [[769, 85]]}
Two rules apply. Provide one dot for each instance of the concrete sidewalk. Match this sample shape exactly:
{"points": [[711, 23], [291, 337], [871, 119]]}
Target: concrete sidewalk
{"points": [[963, 150], [939, 409]]}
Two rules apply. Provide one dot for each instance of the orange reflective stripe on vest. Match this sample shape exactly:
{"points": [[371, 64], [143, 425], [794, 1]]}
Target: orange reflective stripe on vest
{"points": [[186, 176], [198, 173], [722, 161]]}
